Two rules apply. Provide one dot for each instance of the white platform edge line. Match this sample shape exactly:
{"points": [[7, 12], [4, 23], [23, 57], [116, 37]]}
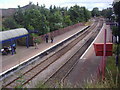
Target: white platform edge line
{"points": [[40, 52], [92, 42]]}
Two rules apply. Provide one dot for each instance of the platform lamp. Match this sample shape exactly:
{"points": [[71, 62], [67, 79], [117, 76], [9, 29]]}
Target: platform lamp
{"points": [[116, 6]]}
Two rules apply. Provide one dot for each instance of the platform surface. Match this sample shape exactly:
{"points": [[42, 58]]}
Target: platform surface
{"points": [[23, 53], [87, 67]]}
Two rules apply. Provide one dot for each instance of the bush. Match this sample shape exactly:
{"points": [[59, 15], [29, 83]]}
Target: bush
{"points": [[10, 23]]}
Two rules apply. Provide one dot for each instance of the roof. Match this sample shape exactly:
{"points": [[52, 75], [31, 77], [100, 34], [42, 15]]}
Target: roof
{"points": [[4, 35], [11, 11], [116, 1], [8, 12]]}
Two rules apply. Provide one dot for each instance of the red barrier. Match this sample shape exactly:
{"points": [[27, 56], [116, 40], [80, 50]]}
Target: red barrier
{"points": [[99, 49]]}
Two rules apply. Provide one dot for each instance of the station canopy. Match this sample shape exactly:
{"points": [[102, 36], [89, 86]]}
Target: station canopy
{"points": [[13, 33]]}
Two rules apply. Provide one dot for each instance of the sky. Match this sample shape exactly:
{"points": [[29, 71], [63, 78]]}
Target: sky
{"points": [[89, 4]]}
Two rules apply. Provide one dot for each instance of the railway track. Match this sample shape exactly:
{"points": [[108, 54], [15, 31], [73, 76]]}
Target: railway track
{"points": [[33, 72], [57, 78]]}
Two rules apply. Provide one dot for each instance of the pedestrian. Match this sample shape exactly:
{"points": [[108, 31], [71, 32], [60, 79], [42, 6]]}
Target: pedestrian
{"points": [[46, 38], [51, 38], [35, 43], [14, 47], [10, 49]]}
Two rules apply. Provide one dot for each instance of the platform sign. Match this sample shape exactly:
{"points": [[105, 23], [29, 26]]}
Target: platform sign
{"points": [[99, 49]]}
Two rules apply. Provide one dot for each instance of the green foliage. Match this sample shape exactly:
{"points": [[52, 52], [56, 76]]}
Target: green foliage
{"points": [[46, 20], [112, 78], [34, 35], [41, 85], [78, 14], [10, 23], [112, 74], [111, 67], [107, 13], [56, 20], [114, 48], [32, 18], [116, 8], [114, 30], [103, 84], [67, 21], [2, 29], [87, 14], [95, 12], [30, 27], [37, 38], [19, 16]]}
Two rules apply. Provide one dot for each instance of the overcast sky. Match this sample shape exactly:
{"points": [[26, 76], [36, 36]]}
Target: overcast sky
{"points": [[89, 4]]}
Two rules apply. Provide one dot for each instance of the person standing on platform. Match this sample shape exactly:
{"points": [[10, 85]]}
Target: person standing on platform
{"points": [[14, 47], [10, 49], [51, 37], [35, 43], [46, 38]]}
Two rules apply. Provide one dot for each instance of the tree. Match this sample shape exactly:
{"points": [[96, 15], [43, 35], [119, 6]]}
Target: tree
{"points": [[46, 20], [10, 23], [107, 13], [32, 17], [37, 20], [30, 27], [45, 26], [95, 12], [19, 16], [75, 14], [78, 14], [116, 7], [114, 30], [87, 14], [55, 19], [67, 21]]}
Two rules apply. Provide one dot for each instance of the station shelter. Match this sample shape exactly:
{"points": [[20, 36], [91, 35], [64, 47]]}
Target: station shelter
{"points": [[13, 34]]}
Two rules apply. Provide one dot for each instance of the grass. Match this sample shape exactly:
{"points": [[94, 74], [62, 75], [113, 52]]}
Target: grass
{"points": [[112, 72], [88, 23], [41, 85], [112, 75]]}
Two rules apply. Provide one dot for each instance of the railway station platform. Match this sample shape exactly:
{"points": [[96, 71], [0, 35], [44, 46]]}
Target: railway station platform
{"points": [[24, 54], [86, 70]]}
